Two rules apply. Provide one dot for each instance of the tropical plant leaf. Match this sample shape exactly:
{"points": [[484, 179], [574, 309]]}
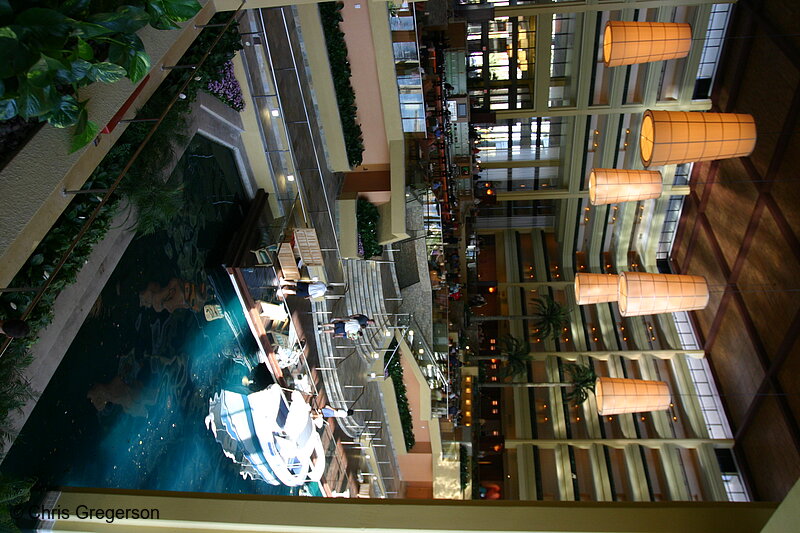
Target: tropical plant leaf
{"points": [[79, 69], [65, 114], [126, 19], [14, 492], [8, 109], [46, 29], [552, 317], [89, 30], [73, 7], [517, 355], [105, 72], [159, 18], [158, 203], [85, 130], [582, 379], [36, 101], [123, 48], [16, 57], [179, 10], [138, 66], [84, 50], [129, 53], [41, 74]]}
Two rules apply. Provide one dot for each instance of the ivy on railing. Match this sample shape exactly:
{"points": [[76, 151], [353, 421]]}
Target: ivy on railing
{"points": [[340, 69], [395, 370]]}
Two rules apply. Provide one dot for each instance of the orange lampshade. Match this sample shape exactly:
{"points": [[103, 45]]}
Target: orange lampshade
{"points": [[596, 288], [610, 186], [623, 395], [643, 293], [627, 43], [674, 137]]}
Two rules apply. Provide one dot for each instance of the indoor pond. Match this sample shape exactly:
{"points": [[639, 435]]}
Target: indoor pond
{"points": [[126, 407]]}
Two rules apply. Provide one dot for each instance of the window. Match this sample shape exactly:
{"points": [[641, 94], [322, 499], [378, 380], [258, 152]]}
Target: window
{"points": [[405, 51], [412, 79], [401, 23], [501, 53], [412, 111], [534, 139]]}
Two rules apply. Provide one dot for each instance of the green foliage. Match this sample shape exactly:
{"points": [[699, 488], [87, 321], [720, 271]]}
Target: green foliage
{"points": [[518, 356], [340, 69], [228, 45], [50, 50], [467, 466], [582, 379], [158, 204], [13, 492], [145, 186], [395, 370], [367, 218], [551, 317]]}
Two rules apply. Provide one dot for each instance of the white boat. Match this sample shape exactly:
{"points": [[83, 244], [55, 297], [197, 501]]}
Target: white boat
{"points": [[270, 438]]}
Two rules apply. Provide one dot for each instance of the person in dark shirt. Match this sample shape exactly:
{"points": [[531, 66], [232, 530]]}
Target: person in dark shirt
{"points": [[363, 320]]}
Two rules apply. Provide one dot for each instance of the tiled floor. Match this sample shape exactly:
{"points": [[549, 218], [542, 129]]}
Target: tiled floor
{"points": [[740, 229]]}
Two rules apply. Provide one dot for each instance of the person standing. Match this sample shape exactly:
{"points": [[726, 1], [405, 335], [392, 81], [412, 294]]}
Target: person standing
{"points": [[318, 415], [363, 320], [309, 290], [342, 327]]}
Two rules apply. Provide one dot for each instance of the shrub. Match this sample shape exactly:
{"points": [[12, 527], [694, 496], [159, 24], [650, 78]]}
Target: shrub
{"points": [[227, 88], [367, 218], [465, 462], [13, 493], [47, 54], [340, 69], [395, 370]]}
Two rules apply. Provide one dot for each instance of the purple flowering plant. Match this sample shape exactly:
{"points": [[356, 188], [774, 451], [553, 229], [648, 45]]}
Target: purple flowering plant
{"points": [[227, 87]]}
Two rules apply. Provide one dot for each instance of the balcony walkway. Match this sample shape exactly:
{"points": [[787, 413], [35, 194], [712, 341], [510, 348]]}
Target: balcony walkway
{"points": [[339, 367]]}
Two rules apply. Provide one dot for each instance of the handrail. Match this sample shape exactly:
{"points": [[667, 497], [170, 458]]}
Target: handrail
{"points": [[263, 34], [112, 189], [264, 137], [307, 121]]}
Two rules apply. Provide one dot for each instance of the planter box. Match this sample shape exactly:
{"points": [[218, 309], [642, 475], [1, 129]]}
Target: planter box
{"points": [[31, 184]]}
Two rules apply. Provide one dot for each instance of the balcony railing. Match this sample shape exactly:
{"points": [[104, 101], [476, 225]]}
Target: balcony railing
{"points": [[709, 400], [673, 214]]}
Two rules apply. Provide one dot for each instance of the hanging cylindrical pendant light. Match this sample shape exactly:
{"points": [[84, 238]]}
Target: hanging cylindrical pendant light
{"points": [[643, 293], [596, 288], [611, 186], [674, 137], [623, 395], [627, 43]]}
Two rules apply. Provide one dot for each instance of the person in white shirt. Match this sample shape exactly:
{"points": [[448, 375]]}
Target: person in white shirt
{"points": [[306, 289], [343, 327], [318, 415]]}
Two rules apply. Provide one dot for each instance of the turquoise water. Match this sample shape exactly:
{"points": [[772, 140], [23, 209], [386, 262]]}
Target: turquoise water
{"points": [[314, 489], [159, 369]]}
